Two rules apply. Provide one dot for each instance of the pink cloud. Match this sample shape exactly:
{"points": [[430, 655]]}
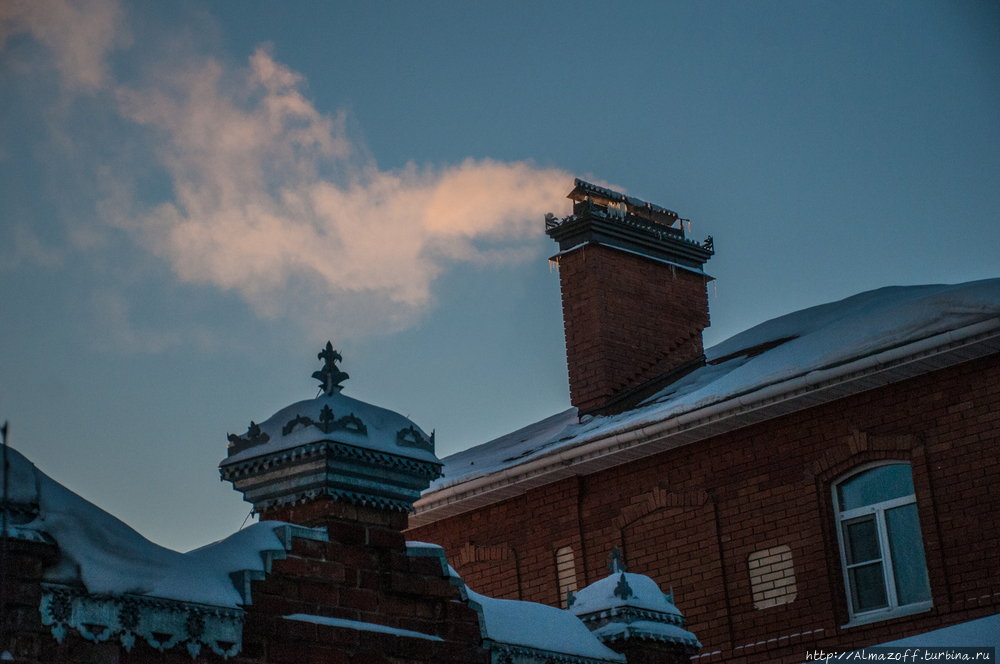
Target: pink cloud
{"points": [[79, 34], [253, 215]]}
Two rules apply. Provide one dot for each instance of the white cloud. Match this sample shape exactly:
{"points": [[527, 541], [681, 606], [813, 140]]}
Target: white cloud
{"points": [[252, 212], [271, 200]]}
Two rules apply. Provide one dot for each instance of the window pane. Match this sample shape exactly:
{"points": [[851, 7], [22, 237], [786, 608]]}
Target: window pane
{"points": [[907, 550], [868, 587], [861, 540], [875, 486]]}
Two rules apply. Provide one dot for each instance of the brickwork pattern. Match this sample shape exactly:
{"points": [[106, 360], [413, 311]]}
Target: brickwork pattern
{"points": [[24, 635], [489, 567], [691, 517], [772, 577], [627, 319], [362, 574]]}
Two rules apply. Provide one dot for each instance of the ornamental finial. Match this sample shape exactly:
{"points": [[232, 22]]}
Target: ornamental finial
{"points": [[330, 377], [616, 561], [623, 589]]}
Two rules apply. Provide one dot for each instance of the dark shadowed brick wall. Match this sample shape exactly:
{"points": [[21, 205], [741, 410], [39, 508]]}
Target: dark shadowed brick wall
{"points": [[628, 319], [691, 517]]}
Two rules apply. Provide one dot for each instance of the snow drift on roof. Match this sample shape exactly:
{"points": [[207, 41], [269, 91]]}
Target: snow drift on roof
{"points": [[817, 338], [110, 558]]}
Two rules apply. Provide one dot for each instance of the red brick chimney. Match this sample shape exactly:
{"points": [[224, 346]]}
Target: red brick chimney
{"points": [[634, 297]]}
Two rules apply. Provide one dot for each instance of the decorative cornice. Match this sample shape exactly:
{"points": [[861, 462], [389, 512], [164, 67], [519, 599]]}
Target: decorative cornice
{"points": [[630, 614], [596, 227], [508, 654], [356, 475], [344, 450], [162, 623], [352, 497]]}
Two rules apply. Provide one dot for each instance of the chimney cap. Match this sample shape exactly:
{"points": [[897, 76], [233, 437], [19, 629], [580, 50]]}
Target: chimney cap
{"points": [[583, 190]]}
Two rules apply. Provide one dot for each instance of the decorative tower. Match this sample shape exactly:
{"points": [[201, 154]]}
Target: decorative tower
{"points": [[352, 589], [634, 297], [632, 616], [331, 456]]}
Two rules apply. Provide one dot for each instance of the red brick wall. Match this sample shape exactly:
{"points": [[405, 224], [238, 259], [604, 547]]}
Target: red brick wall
{"points": [[627, 320], [362, 574], [489, 566], [691, 517]]}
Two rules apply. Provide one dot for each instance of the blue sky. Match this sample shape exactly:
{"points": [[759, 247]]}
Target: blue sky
{"points": [[196, 196]]}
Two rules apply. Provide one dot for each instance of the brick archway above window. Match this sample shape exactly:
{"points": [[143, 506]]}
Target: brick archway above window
{"points": [[470, 553], [862, 447], [659, 499]]}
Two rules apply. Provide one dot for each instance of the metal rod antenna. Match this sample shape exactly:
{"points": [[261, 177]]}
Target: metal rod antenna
{"points": [[4, 569]]}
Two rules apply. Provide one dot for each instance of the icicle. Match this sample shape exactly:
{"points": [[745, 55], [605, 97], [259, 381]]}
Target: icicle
{"points": [[715, 287]]}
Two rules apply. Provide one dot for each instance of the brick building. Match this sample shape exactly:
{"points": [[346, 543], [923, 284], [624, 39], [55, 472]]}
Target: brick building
{"points": [[325, 577], [826, 480]]}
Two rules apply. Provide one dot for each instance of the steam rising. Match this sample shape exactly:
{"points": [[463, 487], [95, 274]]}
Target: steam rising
{"points": [[272, 200]]}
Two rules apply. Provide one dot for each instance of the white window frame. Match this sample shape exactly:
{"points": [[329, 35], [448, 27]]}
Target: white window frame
{"points": [[879, 510]]}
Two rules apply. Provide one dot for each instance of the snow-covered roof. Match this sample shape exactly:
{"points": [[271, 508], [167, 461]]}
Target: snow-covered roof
{"points": [[301, 424], [108, 557], [623, 605], [603, 595], [512, 625], [979, 633], [525, 630], [805, 351]]}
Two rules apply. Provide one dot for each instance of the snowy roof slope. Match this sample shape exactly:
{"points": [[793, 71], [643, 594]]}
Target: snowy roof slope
{"points": [[518, 627], [979, 633], [382, 426], [108, 557], [817, 338], [540, 627]]}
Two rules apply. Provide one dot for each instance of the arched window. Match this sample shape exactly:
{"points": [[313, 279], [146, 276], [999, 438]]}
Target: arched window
{"points": [[881, 550], [566, 572]]}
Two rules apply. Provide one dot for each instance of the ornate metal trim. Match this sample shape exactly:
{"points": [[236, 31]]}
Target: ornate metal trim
{"points": [[253, 437], [330, 377], [162, 623], [327, 423], [505, 652], [412, 437], [425, 468], [353, 497], [631, 614]]}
